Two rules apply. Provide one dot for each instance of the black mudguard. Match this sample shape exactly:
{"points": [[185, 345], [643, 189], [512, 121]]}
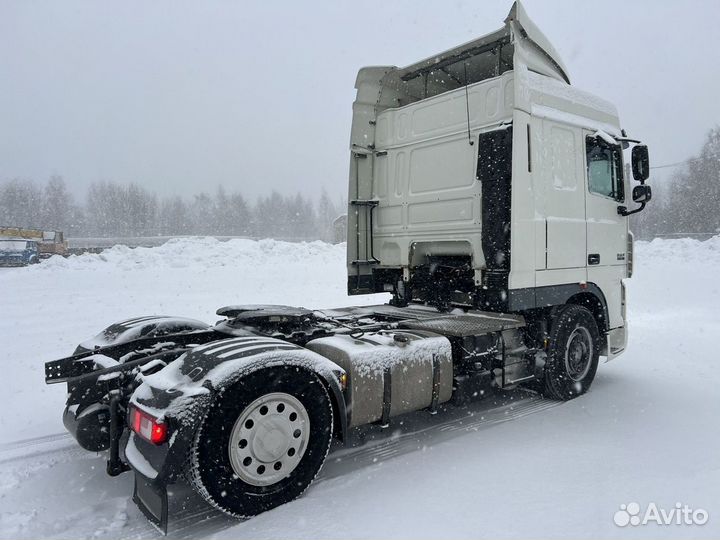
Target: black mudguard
{"points": [[152, 500]]}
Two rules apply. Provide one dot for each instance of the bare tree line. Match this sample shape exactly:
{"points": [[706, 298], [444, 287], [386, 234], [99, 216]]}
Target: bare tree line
{"points": [[690, 203], [127, 210]]}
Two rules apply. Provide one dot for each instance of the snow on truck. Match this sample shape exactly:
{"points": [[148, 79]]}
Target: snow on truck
{"points": [[487, 195]]}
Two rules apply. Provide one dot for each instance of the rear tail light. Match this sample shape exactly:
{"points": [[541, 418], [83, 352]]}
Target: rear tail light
{"points": [[148, 427]]}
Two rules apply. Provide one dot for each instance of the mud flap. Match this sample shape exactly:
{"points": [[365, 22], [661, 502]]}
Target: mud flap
{"points": [[152, 500]]}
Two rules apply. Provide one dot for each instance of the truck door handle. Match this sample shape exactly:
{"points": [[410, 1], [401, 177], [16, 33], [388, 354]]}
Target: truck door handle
{"points": [[594, 258]]}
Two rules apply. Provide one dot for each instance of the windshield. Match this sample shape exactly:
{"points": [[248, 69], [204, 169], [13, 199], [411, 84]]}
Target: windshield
{"points": [[13, 245]]}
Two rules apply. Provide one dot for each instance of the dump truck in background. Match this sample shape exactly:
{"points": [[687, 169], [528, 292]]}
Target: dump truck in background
{"points": [[48, 242], [486, 194]]}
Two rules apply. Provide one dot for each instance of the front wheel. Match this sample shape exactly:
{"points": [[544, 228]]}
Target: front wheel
{"points": [[573, 353], [263, 442]]}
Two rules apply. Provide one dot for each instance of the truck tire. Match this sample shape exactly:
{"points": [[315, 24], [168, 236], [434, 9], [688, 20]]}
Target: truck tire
{"points": [[263, 442], [573, 353]]}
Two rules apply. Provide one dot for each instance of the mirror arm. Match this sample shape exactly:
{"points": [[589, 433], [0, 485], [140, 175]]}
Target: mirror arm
{"points": [[623, 211], [627, 139]]}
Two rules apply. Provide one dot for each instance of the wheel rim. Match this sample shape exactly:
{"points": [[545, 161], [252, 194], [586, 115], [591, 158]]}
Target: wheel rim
{"points": [[269, 439], [578, 354]]}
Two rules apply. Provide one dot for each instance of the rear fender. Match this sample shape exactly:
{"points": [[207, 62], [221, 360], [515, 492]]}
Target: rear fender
{"points": [[182, 393], [141, 328]]}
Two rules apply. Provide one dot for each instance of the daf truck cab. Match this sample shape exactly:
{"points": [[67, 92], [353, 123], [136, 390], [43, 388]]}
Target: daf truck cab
{"points": [[481, 178]]}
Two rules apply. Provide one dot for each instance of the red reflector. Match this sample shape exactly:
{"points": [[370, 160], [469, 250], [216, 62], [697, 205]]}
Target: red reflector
{"points": [[148, 427], [136, 420]]}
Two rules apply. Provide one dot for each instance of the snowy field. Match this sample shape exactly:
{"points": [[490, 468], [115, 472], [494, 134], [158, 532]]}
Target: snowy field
{"points": [[521, 466]]}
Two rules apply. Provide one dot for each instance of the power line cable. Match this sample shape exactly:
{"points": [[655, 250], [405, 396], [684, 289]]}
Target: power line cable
{"points": [[675, 164]]}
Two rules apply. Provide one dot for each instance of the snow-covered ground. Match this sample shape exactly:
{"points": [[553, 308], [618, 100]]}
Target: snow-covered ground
{"points": [[521, 466]]}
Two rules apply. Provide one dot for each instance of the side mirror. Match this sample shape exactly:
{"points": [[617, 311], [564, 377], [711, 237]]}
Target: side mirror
{"points": [[642, 194], [640, 163]]}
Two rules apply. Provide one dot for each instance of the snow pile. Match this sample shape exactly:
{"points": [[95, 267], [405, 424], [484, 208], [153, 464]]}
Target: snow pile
{"points": [[201, 252], [677, 279], [686, 251]]}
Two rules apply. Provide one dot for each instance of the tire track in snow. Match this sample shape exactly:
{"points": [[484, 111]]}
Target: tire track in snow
{"points": [[399, 443], [192, 517], [34, 441], [36, 446]]}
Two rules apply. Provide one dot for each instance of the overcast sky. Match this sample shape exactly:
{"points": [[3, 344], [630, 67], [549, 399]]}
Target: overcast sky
{"points": [[183, 96]]}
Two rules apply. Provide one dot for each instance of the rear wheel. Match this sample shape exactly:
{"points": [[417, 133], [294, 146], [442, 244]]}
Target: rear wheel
{"points": [[263, 442], [573, 353]]}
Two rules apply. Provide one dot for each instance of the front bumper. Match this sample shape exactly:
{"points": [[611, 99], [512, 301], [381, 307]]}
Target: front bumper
{"points": [[14, 262]]}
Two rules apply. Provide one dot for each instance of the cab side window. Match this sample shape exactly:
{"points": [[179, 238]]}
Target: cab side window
{"points": [[604, 169]]}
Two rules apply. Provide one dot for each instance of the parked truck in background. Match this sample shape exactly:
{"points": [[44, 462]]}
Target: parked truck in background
{"points": [[18, 252], [48, 242], [487, 195]]}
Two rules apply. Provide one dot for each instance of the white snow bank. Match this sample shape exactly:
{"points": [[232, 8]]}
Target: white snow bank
{"points": [[206, 252], [675, 278], [200, 252], [683, 251]]}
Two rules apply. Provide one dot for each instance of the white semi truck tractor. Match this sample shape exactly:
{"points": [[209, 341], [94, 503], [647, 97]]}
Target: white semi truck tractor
{"points": [[486, 194]]}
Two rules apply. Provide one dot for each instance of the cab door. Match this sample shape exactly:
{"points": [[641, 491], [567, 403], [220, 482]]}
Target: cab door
{"points": [[564, 203], [607, 231]]}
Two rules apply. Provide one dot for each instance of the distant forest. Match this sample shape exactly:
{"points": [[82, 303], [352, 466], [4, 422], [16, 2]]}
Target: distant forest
{"points": [[115, 210], [689, 203], [686, 205]]}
